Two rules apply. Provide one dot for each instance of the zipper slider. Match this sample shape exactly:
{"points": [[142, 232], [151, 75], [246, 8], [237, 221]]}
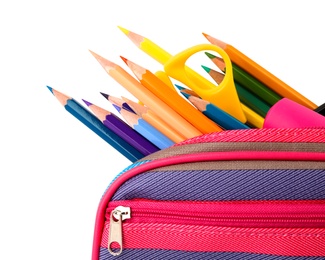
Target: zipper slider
{"points": [[119, 214]]}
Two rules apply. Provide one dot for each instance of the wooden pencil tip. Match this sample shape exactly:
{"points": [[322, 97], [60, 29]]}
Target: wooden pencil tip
{"points": [[205, 35], [211, 56], [93, 53], [124, 59], [185, 94], [97, 57], [125, 31], [106, 64], [134, 37], [215, 41], [50, 89], [206, 68], [179, 87], [104, 95], [118, 108], [125, 99], [63, 99], [136, 69], [87, 102]]}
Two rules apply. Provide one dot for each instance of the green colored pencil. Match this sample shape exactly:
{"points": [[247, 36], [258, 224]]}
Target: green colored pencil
{"points": [[245, 96], [248, 81]]}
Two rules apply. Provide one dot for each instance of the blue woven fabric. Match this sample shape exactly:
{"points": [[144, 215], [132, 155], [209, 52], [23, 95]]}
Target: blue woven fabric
{"points": [[133, 254], [226, 185]]}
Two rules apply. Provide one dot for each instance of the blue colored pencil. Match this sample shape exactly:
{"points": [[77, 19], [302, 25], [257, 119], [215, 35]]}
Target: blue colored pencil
{"points": [[145, 129], [93, 123], [216, 114]]}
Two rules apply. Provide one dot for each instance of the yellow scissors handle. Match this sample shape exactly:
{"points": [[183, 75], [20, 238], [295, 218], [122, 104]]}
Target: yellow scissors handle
{"points": [[223, 96]]}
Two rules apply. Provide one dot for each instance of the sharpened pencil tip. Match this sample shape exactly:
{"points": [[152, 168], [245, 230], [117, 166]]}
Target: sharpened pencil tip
{"points": [[179, 87], [50, 89], [185, 94], [125, 31], [134, 37], [205, 35], [92, 52], [106, 64], [206, 68], [104, 95], [117, 108], [124, 59], [87, 102], [98, 57], [211, 56]]}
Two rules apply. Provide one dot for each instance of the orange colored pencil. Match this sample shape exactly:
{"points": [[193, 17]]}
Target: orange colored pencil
{"points": [[150, 117], [172, 118], [260, 73], [164, 77], [172, 99]]}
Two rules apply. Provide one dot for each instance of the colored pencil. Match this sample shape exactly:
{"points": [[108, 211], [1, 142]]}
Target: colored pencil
{"points": [[321, 109], [94, 124], [253, 119], [117, 101], [261, 74], [171, 117], [245, 96], [172, 99], [122, 129], [164, 77], [247, 81], [145, 129], [187, 91], [204, 88], [154, 120], [146, 45], [216, 114]]}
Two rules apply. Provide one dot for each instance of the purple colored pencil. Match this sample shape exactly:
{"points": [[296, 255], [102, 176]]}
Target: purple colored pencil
{"points": [[123, 130]]}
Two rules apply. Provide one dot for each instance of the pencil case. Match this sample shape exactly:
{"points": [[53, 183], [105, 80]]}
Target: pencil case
{"points": [[236, 194]]}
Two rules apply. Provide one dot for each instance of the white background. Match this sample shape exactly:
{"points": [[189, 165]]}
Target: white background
{"points": [[54, 170]]}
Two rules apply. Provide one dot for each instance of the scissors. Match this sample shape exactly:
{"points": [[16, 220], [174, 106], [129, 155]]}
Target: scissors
{"points": [[223, 95]]}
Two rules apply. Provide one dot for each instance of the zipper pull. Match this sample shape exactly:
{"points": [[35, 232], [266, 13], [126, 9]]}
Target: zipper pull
{"points": [[119, 214]]}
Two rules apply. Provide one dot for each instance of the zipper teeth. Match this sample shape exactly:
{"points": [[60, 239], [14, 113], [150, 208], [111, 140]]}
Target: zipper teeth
{"points": [[240, 217], [283, 219]]}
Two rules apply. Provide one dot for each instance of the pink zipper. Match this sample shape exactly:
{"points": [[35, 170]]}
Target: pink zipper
{"points": [[153, 224], [229, 213]]}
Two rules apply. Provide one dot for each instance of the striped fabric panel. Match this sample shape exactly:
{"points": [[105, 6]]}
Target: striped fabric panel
{"points": [[224, 185], [125, 170], [133, 254], [189, 148]]}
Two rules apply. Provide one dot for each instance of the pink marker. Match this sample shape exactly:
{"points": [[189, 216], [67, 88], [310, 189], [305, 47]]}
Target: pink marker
{"points": [[289, 114]]}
